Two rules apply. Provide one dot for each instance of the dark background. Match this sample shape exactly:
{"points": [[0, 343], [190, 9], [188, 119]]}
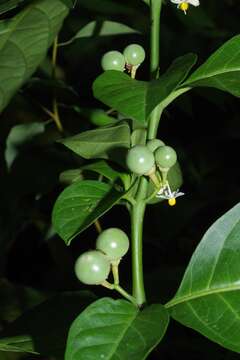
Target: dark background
{"points": [[203, 126]]}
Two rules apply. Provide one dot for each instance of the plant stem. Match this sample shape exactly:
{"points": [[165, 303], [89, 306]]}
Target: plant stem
{"points": [[156, 6], [56, 117], [137, 216], [121, 291]]}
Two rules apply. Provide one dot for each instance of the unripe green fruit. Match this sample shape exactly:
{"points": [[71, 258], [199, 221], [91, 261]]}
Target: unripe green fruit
{"points": [[134, 54], [113, 60], [140, 160], [92, 267], [154, 144], [113, 242], [165, 157]]}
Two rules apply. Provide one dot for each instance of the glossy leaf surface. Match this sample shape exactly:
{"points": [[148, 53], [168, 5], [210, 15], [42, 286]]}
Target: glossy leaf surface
{"points": [[101, 142], [80, 204], [116, 329], [221, 70], [102, 28], [24, 41], [208, 297]]}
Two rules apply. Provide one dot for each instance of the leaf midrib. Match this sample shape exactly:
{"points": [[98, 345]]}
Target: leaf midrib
{"points": [[191, 81], [200, 294]]}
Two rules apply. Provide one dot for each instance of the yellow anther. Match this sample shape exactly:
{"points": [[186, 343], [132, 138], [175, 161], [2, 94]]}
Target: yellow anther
{"points": [[184, 7], [172, 201]]}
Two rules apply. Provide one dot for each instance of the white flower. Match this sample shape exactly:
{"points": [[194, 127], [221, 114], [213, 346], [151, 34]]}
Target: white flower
{"points": [[184, 4], [166, 193]]}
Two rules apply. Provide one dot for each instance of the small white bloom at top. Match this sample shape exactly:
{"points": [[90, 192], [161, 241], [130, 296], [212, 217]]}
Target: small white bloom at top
{"points": [[166, 193], [184, 4]]}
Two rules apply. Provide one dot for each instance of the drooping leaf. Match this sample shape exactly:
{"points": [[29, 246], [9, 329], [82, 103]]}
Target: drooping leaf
{"points": [[137, 99], [44, 328], [101, 142], [24, 41], [116, 329], [18, 136], [101, 28], [80, 204], [221, 70], [208, 297]]}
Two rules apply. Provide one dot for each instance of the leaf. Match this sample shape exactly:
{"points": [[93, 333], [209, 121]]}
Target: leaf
{"points": [[80, 204], [103, 168], [208, 297], [101, 142], [221, 70], [24, 41], [44, 328], [116, 329], [138, 137], [70, 176], [101, 28], [6, 6], [18, 136], [137, 99]]}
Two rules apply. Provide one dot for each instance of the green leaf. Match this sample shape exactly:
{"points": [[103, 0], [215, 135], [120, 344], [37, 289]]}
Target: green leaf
{"points": [[24, 41], [137, 99], [101, 142], [208, 297], [103, 28], [138, 137], [116, 329], [44, 328], [221, 70], [70, 176], [18, 136], [6, 6], [103, 168], [80, 205]]}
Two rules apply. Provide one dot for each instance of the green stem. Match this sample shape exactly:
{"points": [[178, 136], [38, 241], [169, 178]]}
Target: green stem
{"points": [[127, 296], [156, 6], [138, 209], [137, 217]]}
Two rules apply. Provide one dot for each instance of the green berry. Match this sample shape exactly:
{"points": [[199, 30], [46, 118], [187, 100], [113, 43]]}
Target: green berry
{"points": [[113, 60], [113, 242], [92, 267], [154, 144], [134, 54], [140, 160], [165, 157]]}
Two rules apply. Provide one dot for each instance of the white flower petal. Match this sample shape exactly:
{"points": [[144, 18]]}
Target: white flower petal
{"points": [[193, 2], [177, 1]]}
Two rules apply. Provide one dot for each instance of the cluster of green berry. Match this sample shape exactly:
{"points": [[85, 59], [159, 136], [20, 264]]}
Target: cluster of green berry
{"points": [[142, 159], [154, 159], [132, 56], [93, 267]]}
